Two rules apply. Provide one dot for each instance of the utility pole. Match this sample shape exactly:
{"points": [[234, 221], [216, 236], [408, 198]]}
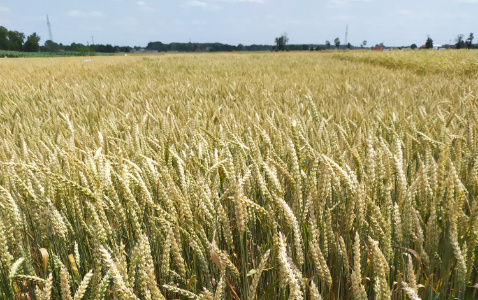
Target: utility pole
{"points": [[49, 28], [92, 40], [346, 34]]}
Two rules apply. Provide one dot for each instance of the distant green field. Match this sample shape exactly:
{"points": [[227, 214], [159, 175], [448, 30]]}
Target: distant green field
{"points": [[16, 54]]}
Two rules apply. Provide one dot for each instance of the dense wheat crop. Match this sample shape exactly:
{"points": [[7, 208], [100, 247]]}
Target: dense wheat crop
{"points": [[239, 176]]}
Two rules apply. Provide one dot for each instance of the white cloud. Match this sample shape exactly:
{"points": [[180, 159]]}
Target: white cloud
{"points": [[196, 3], [241, 1], [343, 3], [336, 3], [143, 6], [4, 9], [84, 14], [96, 13], [213, 4], [202, 4]]}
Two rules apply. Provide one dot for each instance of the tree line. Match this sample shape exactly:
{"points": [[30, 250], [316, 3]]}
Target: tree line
{"points": [[203, 47], [281, 44], [17, 41], [51, 46]]}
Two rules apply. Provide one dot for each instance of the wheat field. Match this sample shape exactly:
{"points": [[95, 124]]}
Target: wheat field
{"points": [[338, 175]]}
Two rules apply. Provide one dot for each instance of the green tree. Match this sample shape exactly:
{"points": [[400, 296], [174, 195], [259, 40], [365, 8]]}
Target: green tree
{"points": [[413, 46], [469, 40], [281, 42], [15, 40], [459, 42], [327, 44], [349, 46], [51, 46], [32, 44], [3, 38], [364, 43], [429, 43], [337, 43]]}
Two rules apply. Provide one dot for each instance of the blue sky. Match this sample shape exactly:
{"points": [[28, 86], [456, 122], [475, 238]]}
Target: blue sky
{"points": [[137, 22]]}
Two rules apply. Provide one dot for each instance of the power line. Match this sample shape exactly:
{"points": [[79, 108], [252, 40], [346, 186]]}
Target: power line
{"points": [[346, 33]]}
